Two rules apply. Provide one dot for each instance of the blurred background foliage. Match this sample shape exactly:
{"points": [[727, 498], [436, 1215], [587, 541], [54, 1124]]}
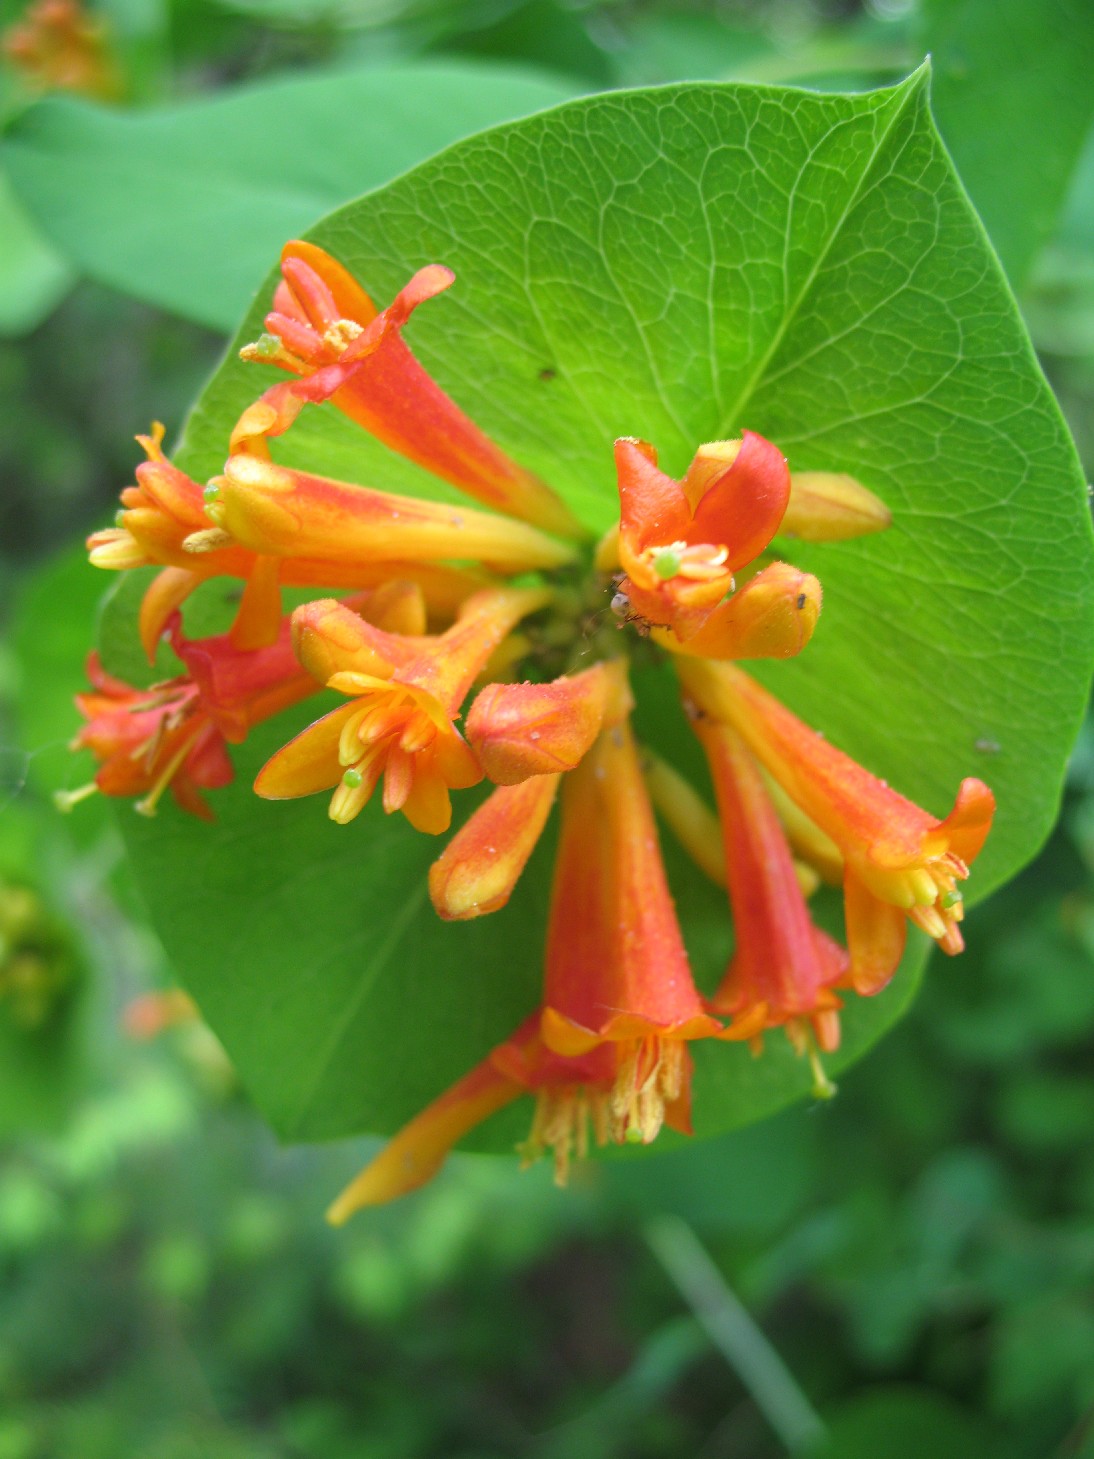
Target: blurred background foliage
{"points": [[907, 1272]]}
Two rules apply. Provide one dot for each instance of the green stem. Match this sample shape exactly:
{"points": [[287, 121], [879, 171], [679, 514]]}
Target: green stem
{"points": [[735, 1334]]}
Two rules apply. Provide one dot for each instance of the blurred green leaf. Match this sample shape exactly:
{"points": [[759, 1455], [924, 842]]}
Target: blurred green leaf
{"points": [[1048, 1111], [186, 206], [1014, 102], [1055, 1008], [618, 1416], [33, 276], [662, 45], [1077, 223], [1044, 1347], [905, 1423], [51, 634], [42, 1054], [602, 291], [534, 32]]}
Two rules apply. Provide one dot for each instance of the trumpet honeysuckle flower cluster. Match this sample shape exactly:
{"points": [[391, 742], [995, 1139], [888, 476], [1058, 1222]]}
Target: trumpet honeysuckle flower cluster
{"points": [[492, 643]]}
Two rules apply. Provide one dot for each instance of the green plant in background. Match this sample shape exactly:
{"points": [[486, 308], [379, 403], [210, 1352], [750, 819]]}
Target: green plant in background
{"points": [[932, 1226], [36, 968]]}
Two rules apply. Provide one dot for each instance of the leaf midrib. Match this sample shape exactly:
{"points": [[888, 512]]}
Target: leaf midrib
{"points": [[908, 93]]}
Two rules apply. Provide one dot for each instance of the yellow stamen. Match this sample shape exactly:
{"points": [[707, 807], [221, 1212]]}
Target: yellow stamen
{"points": [[823, 1088], [117, 549], [923, 886], [650, 1076], [65, 800], [341, 333], [147, 806], [209, 539], [561, 1124], [804, 1043], [930, 919]]}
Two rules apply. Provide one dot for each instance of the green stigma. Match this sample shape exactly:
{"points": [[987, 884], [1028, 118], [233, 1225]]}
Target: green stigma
{"points": [[211, 492], [667, 563], [950, 899], [352, 778], [266, 347], [634, 1135]]}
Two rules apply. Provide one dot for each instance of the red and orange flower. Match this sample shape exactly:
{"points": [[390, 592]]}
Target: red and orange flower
{"points": [[502, 608]]}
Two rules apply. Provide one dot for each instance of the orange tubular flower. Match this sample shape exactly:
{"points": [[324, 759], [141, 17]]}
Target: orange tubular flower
{"points": [[399, 721], [148, 739], [525, 736], [174, 733], [681, 541], [570, 1093], [60, 47], [616, 970], [326, 329], [163, 521], [156, 517], [899, 859], [784, 968], [278, 512]]}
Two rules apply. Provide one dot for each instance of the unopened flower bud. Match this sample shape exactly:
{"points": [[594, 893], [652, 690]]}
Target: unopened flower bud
{"points": [[829, 506]]}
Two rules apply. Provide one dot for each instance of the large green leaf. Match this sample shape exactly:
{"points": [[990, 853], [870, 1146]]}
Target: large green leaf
{"points": [[183, 206], [677, 264]]}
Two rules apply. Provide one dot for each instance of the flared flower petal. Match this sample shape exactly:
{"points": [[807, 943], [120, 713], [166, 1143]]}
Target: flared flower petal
{"points": [[399, 723], [149, 740], [157, 515], [238, 689], [241, 688], [174, 734], [309, 762], [895, 853], [326, 329], [680, 542]]}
